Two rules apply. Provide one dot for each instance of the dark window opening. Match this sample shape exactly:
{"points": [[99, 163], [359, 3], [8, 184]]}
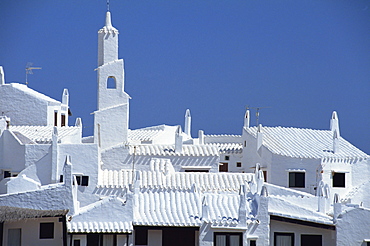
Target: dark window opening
{"points": [[141, 236], [227, 157], [265, 175], [228, 239], [76, 242], [252, 243], [245, 143], [46, 230], [238, 164], [297, 179], [55, 118], [223, 167], [283, 239], [7, 174], [78, 179], [61, 178], [63, 120], [111, 82], [93, 239], [308, 240], [85, 181], [339, 180]]}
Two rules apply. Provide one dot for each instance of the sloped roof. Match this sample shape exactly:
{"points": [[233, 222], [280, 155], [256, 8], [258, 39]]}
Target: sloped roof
{"points": [[109, 215], [228, 148], [210, 182], [280, 206], [167, 208], [32, 92], [8, 213], [41, 134], [304, 143], [169, 150]]}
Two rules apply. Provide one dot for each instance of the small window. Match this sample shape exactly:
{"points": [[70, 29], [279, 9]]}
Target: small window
{"points": [[14, 236], [252, 243], [297, 179], [46, 230], [339, 180], [283, 239], [308, 240], [85, 181], [61, 178], [55, 118], [223, 167], [7, 174], [78, 179], [227, 157], [245, 143], [228, 239], [63, 120], [111, 82], [82, 180], [265, 175], [76, 242], [238, 164]]}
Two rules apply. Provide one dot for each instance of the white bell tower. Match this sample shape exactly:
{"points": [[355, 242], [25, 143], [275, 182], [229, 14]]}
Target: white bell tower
{"points": [[111, 117]]}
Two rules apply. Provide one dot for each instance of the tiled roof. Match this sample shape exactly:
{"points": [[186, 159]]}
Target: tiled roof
{"points": [[280, 206], [169, 150], [173, 207], [41, 134], [167, 208], [210, 182], [228, 148], [117, 217], [304, 143]]}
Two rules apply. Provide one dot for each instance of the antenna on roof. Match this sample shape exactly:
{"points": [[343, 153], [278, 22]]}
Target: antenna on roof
{"points": [[257, 112], [108, 5], [29, 69]]}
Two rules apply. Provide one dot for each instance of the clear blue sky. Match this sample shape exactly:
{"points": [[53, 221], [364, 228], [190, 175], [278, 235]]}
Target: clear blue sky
{"points": [[303, 59]]}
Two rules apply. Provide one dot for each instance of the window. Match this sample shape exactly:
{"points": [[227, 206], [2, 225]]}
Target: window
{"points": [[265, 175], [82, 180], [63, 120], [14, 237], [76, 242], [283, 239], [46, 230], [223, 167], [227, 157], [111, 82], [308, 240], [227, 239], [7, 174], [339, 180], [61, 178], [297, 179], [252, 243], [141, 236], [85, 181], [245, 143], [238, 164], [55, 118]]}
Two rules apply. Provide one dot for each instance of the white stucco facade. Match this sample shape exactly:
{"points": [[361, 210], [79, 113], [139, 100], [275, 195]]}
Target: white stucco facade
{"points": [[161, 186]]}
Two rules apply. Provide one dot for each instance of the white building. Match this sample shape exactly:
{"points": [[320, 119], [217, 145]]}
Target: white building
{"points": [[160, 186]]}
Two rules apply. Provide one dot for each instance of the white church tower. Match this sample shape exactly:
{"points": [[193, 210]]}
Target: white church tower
{"points": [[111, 117]]}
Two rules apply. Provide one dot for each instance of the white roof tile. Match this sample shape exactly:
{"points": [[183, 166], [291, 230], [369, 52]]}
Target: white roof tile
{"points": [[117, 218], [41, 134], [304, 143], [210, 182], [169, 150]]}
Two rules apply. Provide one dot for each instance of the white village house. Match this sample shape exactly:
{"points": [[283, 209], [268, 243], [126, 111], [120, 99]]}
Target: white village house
{"points": [[160, 186]]}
